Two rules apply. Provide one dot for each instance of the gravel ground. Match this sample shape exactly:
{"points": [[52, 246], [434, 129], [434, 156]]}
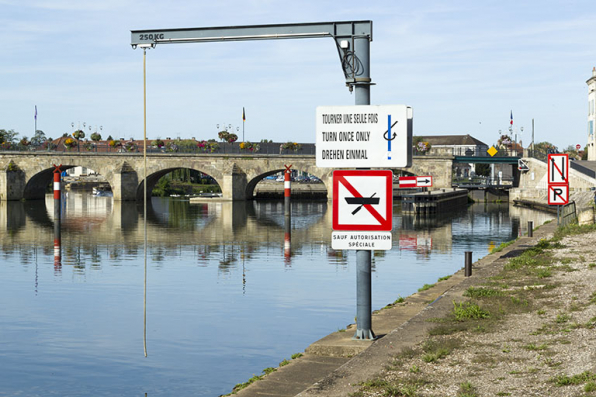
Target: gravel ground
{"points": [[539, 337]]}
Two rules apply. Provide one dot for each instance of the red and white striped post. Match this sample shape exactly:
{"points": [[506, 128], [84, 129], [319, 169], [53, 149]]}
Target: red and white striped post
{"points": [[287, 184], [57, 185], [287, 212], [57, 237], [57, 248]]}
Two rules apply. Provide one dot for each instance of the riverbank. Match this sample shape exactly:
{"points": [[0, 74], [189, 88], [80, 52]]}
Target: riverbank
{"points": [[523, 324]]}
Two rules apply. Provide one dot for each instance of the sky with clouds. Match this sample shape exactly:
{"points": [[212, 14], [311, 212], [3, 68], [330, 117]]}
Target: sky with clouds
{"points": [[463, 66]]}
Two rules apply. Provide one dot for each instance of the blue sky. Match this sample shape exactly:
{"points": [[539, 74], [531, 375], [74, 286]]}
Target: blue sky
{"points": [[462, 65]]}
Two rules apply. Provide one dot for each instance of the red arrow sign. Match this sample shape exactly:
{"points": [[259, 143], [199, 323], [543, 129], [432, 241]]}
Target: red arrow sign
{"points": [[415, 181]]}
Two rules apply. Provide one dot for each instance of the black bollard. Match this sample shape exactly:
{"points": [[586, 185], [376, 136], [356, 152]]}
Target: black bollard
{"points": [[468, 269], [530, 228]]}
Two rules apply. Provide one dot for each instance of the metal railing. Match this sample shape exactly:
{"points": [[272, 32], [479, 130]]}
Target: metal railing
{"points": [[482, 152], [568, 214], [481, 181], [265, 148], [582, 169]]}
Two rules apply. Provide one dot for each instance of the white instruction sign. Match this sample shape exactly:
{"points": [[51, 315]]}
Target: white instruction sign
{"points": [[364, 136]]}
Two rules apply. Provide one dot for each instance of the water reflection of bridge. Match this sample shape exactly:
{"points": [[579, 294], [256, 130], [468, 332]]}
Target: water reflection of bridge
{"points": [[169, 224], [244, 227]]}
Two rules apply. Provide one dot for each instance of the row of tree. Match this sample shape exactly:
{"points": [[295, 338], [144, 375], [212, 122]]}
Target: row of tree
{"points": [[10, 138]]}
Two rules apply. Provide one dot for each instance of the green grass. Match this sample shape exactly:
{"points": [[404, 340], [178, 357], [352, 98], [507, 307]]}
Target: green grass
{"points": [[401, 299], [562, 318], [502, 246], [296, 355], [466, 390], [425, 287], [436, 355], [284, 363], [571, 230], [534, 347], [399, 387], [468, 311], [473, 292], [564, 380], [444, 278], [590, 387], [436, 349], [244, 385]]}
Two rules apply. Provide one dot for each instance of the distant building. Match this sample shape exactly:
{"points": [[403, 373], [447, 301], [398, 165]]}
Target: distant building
{"points": [[458, 145], [591, 115]]}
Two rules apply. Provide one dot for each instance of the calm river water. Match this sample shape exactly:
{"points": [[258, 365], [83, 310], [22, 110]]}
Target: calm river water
{"points": [[223, 301]]}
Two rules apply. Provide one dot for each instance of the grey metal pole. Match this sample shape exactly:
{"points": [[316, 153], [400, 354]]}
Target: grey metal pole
{"points": [[363, 257], [468, 269], [530, 228], [362, 71], [558, 215], [363, 298]]}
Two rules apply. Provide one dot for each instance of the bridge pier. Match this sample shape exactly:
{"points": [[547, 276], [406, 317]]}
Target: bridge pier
{"points": [[234, 185], [124, 184], [12, 183]]}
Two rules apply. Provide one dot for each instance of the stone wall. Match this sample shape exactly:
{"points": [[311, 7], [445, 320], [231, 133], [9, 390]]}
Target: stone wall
{"points": [[533, 184]]}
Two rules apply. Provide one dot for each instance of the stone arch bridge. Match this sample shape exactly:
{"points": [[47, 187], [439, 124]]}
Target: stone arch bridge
{"points": [[26, 175]]}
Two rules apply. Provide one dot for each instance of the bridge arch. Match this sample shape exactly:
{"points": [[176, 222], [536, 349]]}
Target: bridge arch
{"points": [[257, 174], [252, 183], [154, 177], [38, 177]]}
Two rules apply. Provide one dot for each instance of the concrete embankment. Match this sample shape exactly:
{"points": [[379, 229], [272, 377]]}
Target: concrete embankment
{"points": [[336, 364]]}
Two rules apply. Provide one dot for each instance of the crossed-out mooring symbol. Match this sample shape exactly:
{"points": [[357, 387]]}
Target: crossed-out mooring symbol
{"points": [[361, 201], [388, 137]]}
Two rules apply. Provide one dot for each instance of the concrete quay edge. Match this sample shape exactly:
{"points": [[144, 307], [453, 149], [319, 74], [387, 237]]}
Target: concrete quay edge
{"points": [[335, 364]]}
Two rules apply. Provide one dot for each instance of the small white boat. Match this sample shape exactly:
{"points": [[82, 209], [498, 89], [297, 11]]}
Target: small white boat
{"points": [[102, 191]]}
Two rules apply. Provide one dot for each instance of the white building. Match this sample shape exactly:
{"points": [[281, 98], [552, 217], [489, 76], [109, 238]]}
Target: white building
{"points": [[591, 115]]}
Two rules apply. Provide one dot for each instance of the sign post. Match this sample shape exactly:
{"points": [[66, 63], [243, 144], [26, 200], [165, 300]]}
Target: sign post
{"points": [[364, 136], [558, 180], [362, 220]]}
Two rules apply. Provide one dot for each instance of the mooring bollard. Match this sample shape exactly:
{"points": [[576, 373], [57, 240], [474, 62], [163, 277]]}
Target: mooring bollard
{"points": [[530, 228], [468, 270]]}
